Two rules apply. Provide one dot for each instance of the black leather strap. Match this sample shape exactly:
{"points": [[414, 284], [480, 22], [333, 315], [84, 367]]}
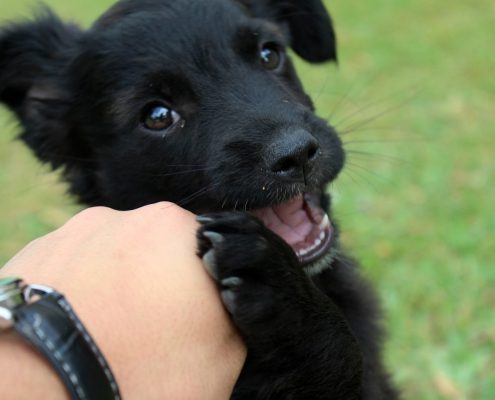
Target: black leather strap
{"points": [[51, 326]]}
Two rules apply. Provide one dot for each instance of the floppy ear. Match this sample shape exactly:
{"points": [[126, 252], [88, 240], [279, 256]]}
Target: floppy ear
{"points": [[312, 34], [33, 59]]}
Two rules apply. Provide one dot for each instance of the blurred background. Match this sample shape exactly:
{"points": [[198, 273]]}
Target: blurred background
{"points": [[414, 100]]}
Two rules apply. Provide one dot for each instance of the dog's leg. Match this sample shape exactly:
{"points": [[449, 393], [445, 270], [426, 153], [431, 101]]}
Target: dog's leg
{"points": [[357, 301], [299, 344]]}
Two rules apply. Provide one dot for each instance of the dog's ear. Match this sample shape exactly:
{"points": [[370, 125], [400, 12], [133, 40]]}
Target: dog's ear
{"points": [[34, 56], [311, 28]]}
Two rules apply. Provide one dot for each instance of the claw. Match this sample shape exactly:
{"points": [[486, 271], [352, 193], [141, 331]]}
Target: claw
{"points": [[215, 238], [229, 300], [229, 292], [210, 263], [204, 219], [232, 282]]}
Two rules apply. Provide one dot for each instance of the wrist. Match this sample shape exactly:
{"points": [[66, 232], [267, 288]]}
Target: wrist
{"points": [[23, 367], [42, 317]]}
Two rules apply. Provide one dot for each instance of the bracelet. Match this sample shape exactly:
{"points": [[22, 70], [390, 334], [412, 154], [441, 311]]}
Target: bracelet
{"points": [[45, 319]]}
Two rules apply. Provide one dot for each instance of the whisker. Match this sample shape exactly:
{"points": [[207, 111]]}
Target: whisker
{"points": [[294, 14], [367, 129], [185, 165], [224, 202], [177, 173], [347, 96], [322, 88], [350, 173], [365, 121], [380, 141], [376, 156], [364, 169], [195, 195], [363, 178], [64, 157], [357, 126]]}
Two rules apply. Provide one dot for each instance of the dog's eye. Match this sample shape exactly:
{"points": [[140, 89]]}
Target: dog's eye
{"points": [[271, 56], [157, 117]]}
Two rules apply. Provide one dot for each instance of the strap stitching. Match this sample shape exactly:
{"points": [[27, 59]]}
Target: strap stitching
{"points": [[101, 360], [40, 333]]}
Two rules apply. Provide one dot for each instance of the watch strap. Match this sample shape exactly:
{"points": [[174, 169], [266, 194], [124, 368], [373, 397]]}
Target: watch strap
{"points": [[53, 328]]}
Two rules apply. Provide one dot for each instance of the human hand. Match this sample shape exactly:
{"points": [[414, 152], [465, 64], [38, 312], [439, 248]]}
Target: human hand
{"points": [[135, 281]]}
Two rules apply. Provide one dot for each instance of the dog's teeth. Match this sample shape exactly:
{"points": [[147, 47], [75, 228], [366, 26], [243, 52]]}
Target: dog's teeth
{"points": [[325, 223], [317, 243]]}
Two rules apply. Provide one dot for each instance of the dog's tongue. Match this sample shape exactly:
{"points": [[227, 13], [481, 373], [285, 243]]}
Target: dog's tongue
{"points": [[301, 223], [288, 220]]}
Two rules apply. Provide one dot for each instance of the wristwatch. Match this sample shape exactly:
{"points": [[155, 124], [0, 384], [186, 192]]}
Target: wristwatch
{"points": [[45, 319]]}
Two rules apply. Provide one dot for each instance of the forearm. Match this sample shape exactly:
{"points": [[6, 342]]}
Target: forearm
{"points": [[25, 373]]}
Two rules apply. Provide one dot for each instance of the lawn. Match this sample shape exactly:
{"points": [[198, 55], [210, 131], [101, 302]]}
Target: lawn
{"points": [[414, 99]]}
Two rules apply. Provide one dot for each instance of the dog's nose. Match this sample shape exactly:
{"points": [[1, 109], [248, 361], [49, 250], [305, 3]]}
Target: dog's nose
{"points": [[292, 154]]}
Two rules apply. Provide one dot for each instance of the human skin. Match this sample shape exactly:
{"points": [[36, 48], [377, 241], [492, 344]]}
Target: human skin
{"points": [[135, 281]]}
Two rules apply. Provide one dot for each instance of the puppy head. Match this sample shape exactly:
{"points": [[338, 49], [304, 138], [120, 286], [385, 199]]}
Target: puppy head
{"points": [[188, 101]]}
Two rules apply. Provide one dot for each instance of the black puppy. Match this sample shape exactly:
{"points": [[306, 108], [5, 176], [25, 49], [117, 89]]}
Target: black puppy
{"points": [[197, 102]]}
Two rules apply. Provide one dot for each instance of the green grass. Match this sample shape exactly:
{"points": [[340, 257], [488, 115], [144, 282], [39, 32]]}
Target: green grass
{"points": [[416, 90]]}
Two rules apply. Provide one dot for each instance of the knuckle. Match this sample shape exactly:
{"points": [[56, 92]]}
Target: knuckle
{"points": [[163, 209], [90, 215], [94, 212]]}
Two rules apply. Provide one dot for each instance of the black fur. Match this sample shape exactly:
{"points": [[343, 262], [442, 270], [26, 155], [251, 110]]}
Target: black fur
{"points": [[247, 138]]}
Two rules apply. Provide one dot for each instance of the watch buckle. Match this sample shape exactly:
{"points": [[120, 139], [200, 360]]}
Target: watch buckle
{"points": [[11, 297], [15, 293], [6, 319], [30, 292]]}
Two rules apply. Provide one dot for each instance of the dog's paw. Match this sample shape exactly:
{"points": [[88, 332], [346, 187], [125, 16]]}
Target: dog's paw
{"points": [[257, 272]]}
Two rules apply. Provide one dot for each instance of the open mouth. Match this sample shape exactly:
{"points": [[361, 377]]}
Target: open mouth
{"points": [[302, 223]]}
